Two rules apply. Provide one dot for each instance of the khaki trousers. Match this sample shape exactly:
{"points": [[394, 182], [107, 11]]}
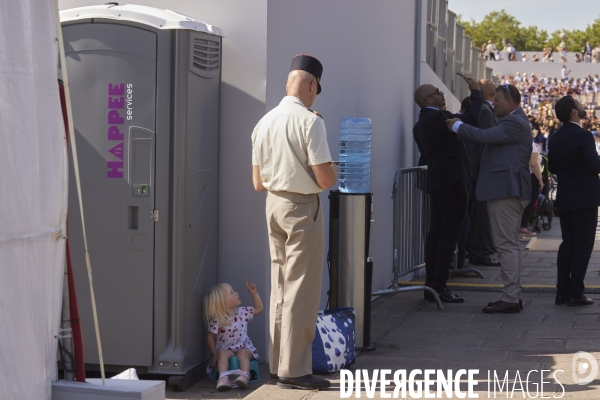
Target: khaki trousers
{"points": [[296, 243], [505, 220]]}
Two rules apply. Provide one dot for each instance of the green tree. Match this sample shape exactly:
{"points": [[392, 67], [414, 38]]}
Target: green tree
{"points": [[576, 38], [499, 25]]}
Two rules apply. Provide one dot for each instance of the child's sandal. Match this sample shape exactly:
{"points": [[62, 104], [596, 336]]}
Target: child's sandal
{"points": [[223, 384], [242, 380]]}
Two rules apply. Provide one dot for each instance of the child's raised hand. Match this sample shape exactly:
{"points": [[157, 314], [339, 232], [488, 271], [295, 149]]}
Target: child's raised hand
{"points": [[251, 287]]}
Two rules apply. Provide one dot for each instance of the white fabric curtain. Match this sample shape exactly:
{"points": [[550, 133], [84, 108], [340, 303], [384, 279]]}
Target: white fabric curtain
{"points": [[33, 199]]}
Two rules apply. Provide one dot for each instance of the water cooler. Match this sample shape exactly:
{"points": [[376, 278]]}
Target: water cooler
{"points": [[350, 267], [144, 85]]}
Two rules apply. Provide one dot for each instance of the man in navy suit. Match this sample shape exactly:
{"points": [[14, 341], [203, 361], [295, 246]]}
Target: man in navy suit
{"points": [[448, 178], [572, 157]]}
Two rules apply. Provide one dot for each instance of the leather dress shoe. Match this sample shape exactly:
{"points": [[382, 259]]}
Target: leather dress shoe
{"points": [[579, 301], [502, 307], [306, 382], [487, 262], [446, 296], [561, 299], [274, 376], [491, 303]]}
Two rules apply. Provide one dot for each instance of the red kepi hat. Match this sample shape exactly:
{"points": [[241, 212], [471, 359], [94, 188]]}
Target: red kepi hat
{"points": [[309, 64]]}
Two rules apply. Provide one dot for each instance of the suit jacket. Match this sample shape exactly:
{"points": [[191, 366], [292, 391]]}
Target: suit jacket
{"points": [[487, 119], [573, 158], [504, 169], [422, 159], [447, 157]]}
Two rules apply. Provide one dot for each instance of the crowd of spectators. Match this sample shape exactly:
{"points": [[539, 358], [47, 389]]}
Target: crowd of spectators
{"points": [[540, 94], [587, 54], [539, 90]]}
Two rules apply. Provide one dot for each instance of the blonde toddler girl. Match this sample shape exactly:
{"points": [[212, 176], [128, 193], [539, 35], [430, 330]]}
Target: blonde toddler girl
{"points": [[228, 331]]}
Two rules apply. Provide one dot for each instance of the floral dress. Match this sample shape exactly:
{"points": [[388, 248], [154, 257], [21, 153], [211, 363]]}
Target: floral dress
{"points": [[234, 336]]}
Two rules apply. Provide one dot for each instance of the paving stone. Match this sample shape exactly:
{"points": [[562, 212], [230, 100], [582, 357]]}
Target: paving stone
{"points": [[524, 318], [406, 332], [438, 342], [524, 344], [463, 308], [588, 345], [438, 319], [563, 334], [430, 353], [394, 307], [491, 334], [381, 324], [587, 310], [587, 325], [570, 316], [548, 358]]}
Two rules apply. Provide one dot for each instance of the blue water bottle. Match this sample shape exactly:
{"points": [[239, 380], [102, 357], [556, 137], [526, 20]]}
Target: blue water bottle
{"points": [[355, 155]]}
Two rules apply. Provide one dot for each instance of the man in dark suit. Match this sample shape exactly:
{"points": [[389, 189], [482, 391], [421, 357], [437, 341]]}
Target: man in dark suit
{"points": [[572, 157], [448, 178], [504, 182], [479, 241]]}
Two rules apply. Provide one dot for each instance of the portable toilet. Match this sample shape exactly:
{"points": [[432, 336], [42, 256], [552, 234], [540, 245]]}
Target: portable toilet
{"points": [[144, 87]]}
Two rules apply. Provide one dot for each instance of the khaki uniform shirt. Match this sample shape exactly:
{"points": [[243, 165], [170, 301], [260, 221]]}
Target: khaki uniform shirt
{"points": [[285, 143]]}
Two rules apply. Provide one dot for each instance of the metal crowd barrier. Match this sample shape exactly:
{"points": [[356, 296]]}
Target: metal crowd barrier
{"points": [[411, 222]]}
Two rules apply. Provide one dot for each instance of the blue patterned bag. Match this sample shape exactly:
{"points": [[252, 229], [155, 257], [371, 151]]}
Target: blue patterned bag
{"points": [[333, 347]]}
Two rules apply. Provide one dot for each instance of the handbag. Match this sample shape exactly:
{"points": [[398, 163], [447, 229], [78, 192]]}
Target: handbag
{"points": [[333, 346]]}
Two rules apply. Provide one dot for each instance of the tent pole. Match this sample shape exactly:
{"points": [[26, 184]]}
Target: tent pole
{"points": [[65, 79]]}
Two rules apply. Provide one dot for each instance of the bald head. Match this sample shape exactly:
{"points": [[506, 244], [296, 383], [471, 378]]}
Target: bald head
{"points": [[429, 95], [487, 89], [302, 85]]}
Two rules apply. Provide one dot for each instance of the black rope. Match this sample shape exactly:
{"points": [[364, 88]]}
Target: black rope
{"points": [[64, 352]]}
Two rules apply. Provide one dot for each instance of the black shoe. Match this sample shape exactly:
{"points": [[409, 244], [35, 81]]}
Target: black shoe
{"points": [[502, 307], [580, 301], [446, 296], [520, 304], [306, 382], [561, 299], [487, 262], [274, 376]]}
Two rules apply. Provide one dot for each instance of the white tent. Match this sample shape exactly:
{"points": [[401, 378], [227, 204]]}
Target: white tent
{"points": [[33, 195]]}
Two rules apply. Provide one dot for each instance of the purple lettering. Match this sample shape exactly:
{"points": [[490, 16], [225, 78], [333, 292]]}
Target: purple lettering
{"points": [[114, 134], [116, 103], [113, 169], [116, 90], [117, 150], [114, 118]]}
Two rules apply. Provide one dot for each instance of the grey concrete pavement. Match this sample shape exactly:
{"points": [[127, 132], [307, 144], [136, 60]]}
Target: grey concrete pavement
{"points": [[411, 334]]}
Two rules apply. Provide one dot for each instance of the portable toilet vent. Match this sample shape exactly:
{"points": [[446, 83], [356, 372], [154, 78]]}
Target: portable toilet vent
{"points": [[144, 88]]}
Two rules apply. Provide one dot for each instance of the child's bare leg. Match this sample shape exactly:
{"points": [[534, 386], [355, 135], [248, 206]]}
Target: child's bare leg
{"points": [[223, 363], [244, 356]]}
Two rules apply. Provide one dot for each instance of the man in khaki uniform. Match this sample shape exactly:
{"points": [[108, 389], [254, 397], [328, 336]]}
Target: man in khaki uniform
{"points": [[291, 159]]}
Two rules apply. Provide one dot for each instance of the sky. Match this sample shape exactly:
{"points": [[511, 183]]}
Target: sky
{"points": [[545, 14]]}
